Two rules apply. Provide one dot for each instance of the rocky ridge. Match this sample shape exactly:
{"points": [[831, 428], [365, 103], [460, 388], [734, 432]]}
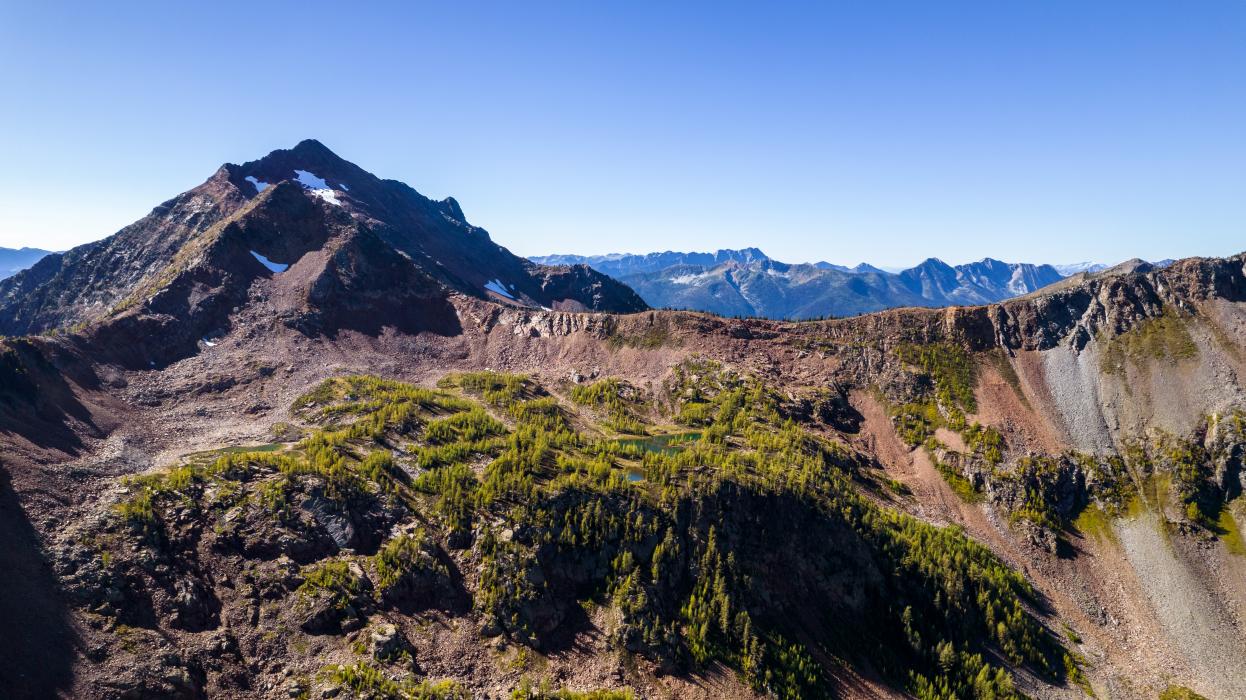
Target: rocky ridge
{"points": [[190, 519], [101, 280]]}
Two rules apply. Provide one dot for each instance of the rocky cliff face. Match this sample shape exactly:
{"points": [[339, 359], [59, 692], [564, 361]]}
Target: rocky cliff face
{"points": [[296, 460], [84, 284], [97, 280]]}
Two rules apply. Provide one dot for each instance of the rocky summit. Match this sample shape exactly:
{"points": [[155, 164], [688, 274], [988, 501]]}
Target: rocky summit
{"points": [[304, 433], [303, 218]]}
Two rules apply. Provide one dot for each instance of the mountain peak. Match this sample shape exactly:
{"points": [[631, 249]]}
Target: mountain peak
{"points": [[310, 163], [741, 254], [352, 230], [312, 146], [866, 268]]}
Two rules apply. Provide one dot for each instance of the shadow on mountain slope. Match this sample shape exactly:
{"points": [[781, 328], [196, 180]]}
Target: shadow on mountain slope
{"points": [[37, 643], [37, 402]]}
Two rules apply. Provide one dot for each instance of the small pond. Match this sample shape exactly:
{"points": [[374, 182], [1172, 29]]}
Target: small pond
{"points": [[669, 443]]}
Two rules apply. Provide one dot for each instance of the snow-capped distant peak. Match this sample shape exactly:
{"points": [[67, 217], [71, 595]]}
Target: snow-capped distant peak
{"points": [[273, 266], [496, 287], [1074, 268], [260, 185]]}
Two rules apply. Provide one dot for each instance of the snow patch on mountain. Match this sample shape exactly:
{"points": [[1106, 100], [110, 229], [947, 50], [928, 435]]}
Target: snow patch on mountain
{"points": [[327, 195], [260, 185], [317, 186]]}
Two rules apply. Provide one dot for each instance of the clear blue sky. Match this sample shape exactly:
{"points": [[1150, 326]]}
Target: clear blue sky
{"points": [[879, 131]]}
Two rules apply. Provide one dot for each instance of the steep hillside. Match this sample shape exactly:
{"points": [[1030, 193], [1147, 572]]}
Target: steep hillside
{"points": [[92, 282], [296, 462], [748, 283]]}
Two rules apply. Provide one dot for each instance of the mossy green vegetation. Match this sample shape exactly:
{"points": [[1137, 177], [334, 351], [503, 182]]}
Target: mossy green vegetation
{"points": [[951, 374], [897, 487], [984, 441], [1161, 338], [545, 691], [952, 369], [1168, 467], [1095, 522], [1052, 490], [618, 400], [1033, 473], [1178, 692], [333, 578], [403, 556], [1228, 529], [748, 544], [207, 456], [365, 680], [1109, 482], [961, 486]]}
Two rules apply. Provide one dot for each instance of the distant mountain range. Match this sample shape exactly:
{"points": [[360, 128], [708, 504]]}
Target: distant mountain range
{"points": [[14, 260], [747, 282]]}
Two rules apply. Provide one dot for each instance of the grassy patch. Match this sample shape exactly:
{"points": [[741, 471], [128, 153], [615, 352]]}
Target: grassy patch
{"points": [[545, 691], [618, 400], [950, 367], [1094, 522], [1165, 337], [962, 486], [897, 487], [651, 338], [1229, 531], [210, 455], [365, 680], [402, 556], [1179, 692], [334, 578]]}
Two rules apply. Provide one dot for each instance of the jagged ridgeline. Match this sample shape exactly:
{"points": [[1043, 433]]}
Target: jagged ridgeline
{"points": [[705, 524], [1050, 496]]}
